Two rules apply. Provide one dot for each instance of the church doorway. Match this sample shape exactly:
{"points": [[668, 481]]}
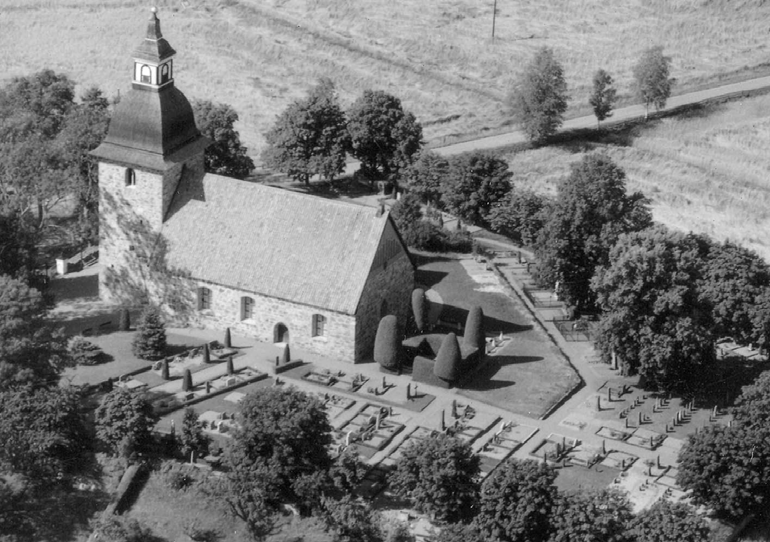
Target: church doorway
{"points": [[280, 333]]}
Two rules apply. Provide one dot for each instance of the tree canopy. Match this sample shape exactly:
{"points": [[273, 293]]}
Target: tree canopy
{"points": [[150, 339], [310, 137], [124, 421], [225, 155], [516, 502], [438, 475], [665, 521], [426, 175], [603, 95], [651, 77], [520, 215], [383, 136], [591, 210], [32, 352], [591, 516], [539, 100], [474, 183], [279, 454], [652, 318]]}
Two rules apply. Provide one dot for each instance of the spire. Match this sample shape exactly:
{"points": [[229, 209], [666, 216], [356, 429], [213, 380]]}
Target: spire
{"points": [[154, 48]]}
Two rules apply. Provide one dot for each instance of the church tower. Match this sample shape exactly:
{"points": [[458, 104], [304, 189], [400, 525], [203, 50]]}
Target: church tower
{"points": [[152, 144]]}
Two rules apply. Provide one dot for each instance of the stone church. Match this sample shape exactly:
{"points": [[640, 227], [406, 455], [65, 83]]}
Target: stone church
{"points": [[212, 251]]}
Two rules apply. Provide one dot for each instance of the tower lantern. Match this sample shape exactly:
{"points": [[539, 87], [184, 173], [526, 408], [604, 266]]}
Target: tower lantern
{"points": [[153, 59]]}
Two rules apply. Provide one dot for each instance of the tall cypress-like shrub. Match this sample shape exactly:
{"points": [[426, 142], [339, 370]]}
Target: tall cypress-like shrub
{"points": [[228, 340], [419, 310], [448, 359], [474, 329], [150, 340], [187, 382], [387, 347], [164, 374], [125, 320]]}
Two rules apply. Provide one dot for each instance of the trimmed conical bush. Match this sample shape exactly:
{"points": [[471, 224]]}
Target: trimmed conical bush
{"points": [[230, 368], [164, 370], [387, 347], [228, 340], [474, 329], [285, 354], [418, 309], [125, 320], [206, 353], [187, 383], [448, 359]]}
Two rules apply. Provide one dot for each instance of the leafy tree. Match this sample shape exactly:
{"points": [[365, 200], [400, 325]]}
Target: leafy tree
{"points": [[225, 155], [516, 502], [407, 212], [425, 176], [310, 137], [83, 351], [460, 532], [591, 211], [521, 216], [733, 279], [752, 407], [150, 340], [38, 103], [347, 471], [17, 522], [652, 318], [728, 468], [760, 318], [591, 516], [114, 528], [439, 476], [540, 98], [193, 439], [603, 96], [665, 521], [351, 521], [31, 351], [124, 421], [17, 245], [474, 183], [398, 531], [42, 432], [651, 77], [383, 136], [279, 454]]}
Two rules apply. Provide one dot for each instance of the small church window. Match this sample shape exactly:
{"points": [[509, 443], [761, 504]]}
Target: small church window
{"points": [[145, 74], [164, 74], [319, 325], [204, 298], [247, 308], [130, 177]]}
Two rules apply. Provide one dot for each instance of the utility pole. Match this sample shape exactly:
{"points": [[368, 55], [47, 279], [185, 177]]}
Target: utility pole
{"points": [[494, 18]]}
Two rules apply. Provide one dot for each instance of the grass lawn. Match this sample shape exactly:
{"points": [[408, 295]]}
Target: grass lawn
{"points": [[705, 172], [168, 512], [529, 376], [437, 57], [575, 477]]}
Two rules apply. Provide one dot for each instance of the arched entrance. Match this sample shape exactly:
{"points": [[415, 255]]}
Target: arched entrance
{"points": [[280, 333]]}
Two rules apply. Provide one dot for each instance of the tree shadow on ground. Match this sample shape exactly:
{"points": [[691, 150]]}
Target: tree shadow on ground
{"points": [[492, 326], [69, 288], [503, 361]]}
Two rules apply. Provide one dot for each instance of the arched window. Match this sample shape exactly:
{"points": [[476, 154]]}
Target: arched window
{"points": [[145, 74], [319, 325], [247, 308], [164, 74], [130, 177], [204, 298]]}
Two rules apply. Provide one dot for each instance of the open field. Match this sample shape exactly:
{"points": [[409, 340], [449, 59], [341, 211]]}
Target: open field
{"points": [[259, 55], [705, 172]]}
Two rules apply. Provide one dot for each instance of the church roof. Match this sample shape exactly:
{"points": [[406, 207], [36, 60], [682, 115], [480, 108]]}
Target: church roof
{"points": [[272, 241]]}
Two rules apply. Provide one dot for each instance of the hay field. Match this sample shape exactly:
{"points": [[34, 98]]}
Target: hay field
{"points": [[259, 55], [708, 172]]}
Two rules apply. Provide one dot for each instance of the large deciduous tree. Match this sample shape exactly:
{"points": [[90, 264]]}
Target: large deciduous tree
{"points": [[520, 216], [603, 96], [278, 455], [225, 155], [32, 352], [124, 421], [591, 210], [752, 407], [653, 321], [42, 432], [652, 81], [439, 476], [383, 136], [426, 176], [591, 516], [310, 137], [665, 521], [474, 183], [539, 100], [38, 103], [516, 502]]}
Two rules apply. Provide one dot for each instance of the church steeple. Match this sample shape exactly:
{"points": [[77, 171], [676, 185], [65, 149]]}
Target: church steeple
{"points": [[153, 59]]}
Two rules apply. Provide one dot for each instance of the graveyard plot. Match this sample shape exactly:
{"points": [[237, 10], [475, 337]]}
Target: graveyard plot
{"points": [[335, 406], [618, 460], [614, 433], [646, 439], [370, 430], [554, 448], [501, 445]]}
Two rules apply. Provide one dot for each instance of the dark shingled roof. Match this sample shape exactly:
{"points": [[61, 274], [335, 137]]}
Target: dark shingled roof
{"points": [[154, 47], [271, 241], [148, 126]]}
